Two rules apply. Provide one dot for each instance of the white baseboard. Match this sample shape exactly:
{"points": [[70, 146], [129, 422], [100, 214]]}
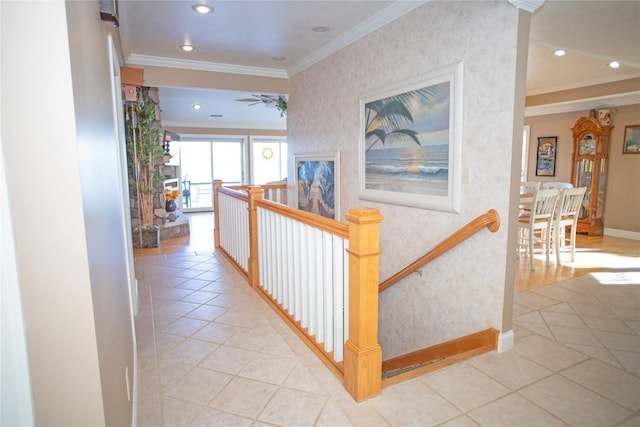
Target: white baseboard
{"points": [[625, 234], [505, 341]]}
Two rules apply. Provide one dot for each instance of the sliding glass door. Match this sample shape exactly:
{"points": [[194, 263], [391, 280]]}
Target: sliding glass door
{"points": [[202, 161]]}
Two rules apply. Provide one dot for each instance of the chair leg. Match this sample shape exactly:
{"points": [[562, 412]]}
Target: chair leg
{"points": [[547, 244], [572, 242], [556, 243], [532, 260]]}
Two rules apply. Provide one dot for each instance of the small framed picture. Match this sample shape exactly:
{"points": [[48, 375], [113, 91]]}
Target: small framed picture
{"points": [[318, 183], [631, 143], [604, 117], [546, 161]]}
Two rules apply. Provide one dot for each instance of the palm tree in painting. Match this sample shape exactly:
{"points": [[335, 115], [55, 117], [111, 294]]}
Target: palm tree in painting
{"points": [[387, 118]]}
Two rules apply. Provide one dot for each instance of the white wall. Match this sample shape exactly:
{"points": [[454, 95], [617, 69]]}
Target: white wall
{"points": [[58, 138], [16, 404], [463, 291]]}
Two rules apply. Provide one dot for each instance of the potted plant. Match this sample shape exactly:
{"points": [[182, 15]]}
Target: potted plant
{"points": [[281, 105], [144, 158]]}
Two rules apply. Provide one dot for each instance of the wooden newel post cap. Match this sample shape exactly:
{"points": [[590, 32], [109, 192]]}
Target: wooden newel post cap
{"points": [[363, 215], [255, 189]]}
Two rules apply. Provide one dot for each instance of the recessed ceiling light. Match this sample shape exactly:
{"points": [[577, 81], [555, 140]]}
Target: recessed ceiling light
{"points": [[202, 8], [320, 29], [196, 106], [278, 58], [614, 64], [559, 52], [187, 47]]}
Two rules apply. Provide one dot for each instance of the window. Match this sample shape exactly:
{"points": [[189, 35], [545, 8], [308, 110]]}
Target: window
{"points": [[268, 160], [525, 154]]}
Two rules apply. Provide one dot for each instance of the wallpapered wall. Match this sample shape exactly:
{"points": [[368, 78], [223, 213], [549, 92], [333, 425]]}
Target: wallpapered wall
{"points": [[463, 291]]}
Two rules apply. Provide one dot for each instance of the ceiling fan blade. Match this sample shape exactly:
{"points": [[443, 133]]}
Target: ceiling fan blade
{"points": [[248, 100]]}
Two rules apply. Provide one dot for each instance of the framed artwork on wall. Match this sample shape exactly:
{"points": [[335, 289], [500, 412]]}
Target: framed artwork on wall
{"points": [[631, 143], [411, 139], [317, 183], [546, 160], [604, 117]]}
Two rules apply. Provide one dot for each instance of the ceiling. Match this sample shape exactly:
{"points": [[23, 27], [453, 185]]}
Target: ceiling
{"points": [[275, 39]]}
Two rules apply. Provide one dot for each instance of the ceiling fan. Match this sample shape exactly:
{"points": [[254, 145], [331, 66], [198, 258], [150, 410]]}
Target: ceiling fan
{"points": [[269, 100]]}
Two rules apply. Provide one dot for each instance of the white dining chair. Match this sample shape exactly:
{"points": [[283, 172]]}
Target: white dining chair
{"points": [[527, 190], [535, 227], [566, 214], [529, 187], [558, 185]]}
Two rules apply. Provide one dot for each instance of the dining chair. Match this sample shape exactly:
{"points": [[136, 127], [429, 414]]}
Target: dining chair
{"points": [[535, 226], [566, 214], [527, 190], [529, 187], [558, 185]]}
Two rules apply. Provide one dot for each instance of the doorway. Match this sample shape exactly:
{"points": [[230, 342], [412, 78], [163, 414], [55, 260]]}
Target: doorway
{"points": [[202, 161]]}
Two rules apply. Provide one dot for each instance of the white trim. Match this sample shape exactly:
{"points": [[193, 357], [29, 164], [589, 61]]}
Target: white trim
{"points": [[596, 103], [625, 234], [527, 5], [231, 125], [158, 61], [391, 13], [213, 137], [506, 341]]}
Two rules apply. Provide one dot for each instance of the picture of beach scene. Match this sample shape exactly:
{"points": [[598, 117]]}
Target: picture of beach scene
{"points": [[407, 142]]}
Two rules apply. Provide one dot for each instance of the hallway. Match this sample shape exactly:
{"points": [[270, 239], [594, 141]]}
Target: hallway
{"points": [[211, 352]]}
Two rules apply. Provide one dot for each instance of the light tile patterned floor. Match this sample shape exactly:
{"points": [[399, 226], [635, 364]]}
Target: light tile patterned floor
{"points": [[212, 353]]}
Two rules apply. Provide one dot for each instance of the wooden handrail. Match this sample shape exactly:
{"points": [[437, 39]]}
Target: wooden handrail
{"points": [[491, 220], [236, 192], [329, 225]]}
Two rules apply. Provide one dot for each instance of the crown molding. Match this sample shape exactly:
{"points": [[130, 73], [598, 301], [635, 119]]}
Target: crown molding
{"points": [[158, 61], [579, 85], [229, 125], [391, 13], [600, 102], [382, 18], [527, 5]]}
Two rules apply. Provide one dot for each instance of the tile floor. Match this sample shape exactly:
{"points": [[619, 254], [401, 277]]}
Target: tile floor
{"points": [[211, 352]]}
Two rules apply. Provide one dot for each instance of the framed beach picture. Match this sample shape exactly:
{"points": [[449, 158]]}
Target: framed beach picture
{"points": [[546, 160], [631, 143], [410, 141], [317, 182]]}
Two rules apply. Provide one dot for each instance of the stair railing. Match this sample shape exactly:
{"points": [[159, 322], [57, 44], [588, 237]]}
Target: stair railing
{"points": [[320, 275], [491, 220], [259, 232]]}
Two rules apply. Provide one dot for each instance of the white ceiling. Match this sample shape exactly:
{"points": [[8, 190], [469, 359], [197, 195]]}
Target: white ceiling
{"points": [[244, 37]]}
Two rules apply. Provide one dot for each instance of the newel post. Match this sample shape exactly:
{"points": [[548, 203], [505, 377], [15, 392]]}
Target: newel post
{"points": [[255, 193], [217, 183], [362, 353]]}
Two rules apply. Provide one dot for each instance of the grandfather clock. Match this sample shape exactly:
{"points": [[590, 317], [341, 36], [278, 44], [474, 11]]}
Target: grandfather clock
{"points": [[589, 169]]}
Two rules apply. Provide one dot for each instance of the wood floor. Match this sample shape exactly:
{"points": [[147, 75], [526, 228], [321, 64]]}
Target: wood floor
{"points": [[593, 254]]}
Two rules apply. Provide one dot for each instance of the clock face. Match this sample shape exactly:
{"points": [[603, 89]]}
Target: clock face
{"points": [[587, 145], [267, 153]]}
